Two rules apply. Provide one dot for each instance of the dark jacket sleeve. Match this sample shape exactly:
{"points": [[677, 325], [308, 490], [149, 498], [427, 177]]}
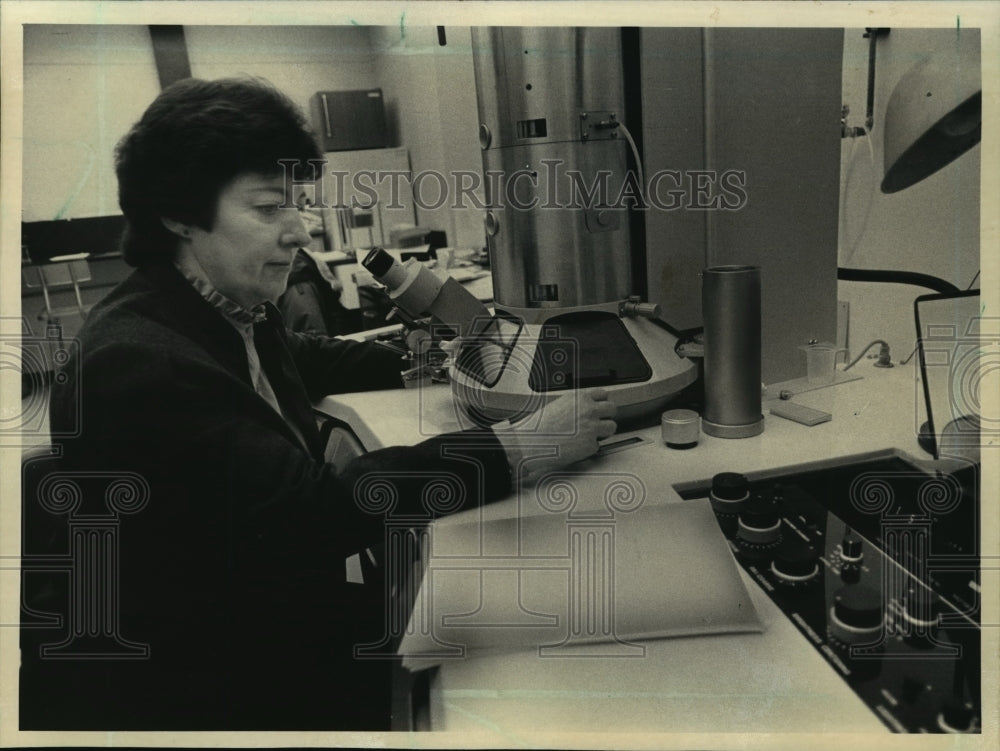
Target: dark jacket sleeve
{"points": [[338, 366], [206, 440]]}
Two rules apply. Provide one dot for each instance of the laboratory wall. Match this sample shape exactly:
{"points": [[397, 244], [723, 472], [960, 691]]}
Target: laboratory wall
{"points": [[299, 60], [673, 137], [85, 85], [773, 110], [749, 120], [931, 227], [429, 90]]}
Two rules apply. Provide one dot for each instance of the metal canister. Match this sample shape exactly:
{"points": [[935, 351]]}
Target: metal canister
{"points": [[730, 300]]}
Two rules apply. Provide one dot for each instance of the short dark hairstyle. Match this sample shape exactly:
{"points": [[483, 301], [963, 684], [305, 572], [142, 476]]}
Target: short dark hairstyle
{"points": [[191, 142]]}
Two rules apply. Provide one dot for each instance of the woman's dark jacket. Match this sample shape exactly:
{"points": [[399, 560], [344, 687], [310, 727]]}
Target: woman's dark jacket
{"points": [[232, 574]]}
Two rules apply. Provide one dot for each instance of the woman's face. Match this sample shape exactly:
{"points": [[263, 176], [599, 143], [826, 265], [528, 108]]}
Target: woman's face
{"points": [[248, 253]]}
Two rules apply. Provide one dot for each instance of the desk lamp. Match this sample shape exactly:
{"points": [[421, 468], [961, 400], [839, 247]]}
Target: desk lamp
{"points": [[934, 115]]}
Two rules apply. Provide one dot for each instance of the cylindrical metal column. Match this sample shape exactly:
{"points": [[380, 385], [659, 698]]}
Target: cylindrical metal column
{"points": [[730, 300], [551, 102]]}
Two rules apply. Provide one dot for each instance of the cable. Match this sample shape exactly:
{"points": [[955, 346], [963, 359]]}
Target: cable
{"points": [[883, 354], [851, 159], [843, 192], [914, 350], [638, 162], [909, 356], [897, 277]]}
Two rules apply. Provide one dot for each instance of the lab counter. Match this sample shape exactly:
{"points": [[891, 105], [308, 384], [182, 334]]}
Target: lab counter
{"points": [[763, 678], [882, 410]]}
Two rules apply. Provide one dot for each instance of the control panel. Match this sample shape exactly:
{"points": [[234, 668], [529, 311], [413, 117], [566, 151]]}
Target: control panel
{"points": [[876, 563]]}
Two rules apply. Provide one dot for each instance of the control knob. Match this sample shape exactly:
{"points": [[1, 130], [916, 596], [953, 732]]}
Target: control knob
{"points": [[795, 564], [850, 574], [729, 491], [851, 549], [957, 716], [759, 522], [918, 621], [921, 607], [857, 615]]}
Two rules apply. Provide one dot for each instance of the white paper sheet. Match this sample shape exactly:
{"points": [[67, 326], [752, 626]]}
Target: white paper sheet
{"points": [[558, 581]]}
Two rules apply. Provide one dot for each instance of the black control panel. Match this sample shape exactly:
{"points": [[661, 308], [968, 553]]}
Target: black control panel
{"points": [[876, 563]]}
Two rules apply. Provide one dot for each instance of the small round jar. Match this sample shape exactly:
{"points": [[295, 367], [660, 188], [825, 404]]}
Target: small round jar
{"points": [[680, 428]]}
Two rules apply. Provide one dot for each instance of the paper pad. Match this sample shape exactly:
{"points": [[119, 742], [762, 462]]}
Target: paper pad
{"points": [[567, 584]]}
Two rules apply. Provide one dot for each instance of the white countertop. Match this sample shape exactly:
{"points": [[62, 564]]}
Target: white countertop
{"points": [[882, 410], [770, 682]]}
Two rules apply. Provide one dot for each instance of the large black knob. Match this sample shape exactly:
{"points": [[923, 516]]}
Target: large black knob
{"points": [[795, 563], [850, 574], [760, 522], [957, 717], [913, 690], [921, 607], [857, 615], [918, 621], [729, 491]]}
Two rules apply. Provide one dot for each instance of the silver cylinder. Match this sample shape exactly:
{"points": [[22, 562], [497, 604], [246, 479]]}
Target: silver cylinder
{"points": [[551, 101], [730, 301]]}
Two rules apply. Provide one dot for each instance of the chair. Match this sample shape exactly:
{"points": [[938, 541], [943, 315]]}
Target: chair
{"points": [[59, 273]]}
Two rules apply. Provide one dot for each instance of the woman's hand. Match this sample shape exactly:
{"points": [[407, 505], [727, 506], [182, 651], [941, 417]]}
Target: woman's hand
{"points": [[565, 430]]}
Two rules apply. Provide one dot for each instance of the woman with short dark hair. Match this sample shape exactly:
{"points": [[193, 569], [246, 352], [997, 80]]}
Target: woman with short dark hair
{"points": [[233, 574], [191, 141]]}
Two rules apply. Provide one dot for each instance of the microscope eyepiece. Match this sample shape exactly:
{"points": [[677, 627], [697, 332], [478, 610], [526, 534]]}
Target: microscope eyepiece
{"points": [[378, 262]]}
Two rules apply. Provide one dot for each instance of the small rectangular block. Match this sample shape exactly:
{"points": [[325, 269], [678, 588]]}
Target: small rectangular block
{"points": [[799, 413]]}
